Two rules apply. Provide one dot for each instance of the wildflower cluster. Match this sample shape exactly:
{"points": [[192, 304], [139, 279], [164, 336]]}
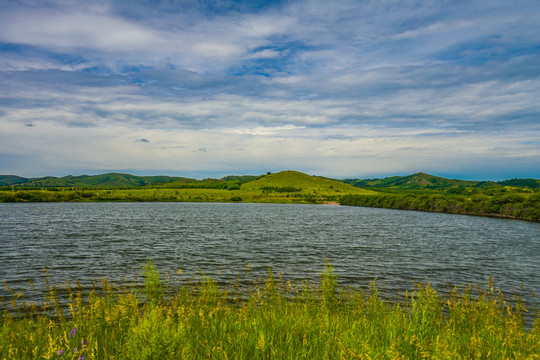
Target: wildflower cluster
{"points": [[73, 346]]}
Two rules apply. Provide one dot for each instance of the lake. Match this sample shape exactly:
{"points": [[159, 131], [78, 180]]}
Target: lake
{"points": [[87, 241]]}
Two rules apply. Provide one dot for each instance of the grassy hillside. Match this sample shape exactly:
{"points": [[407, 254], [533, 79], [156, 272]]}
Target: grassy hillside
{"points": [[8, 180], [419, 182], [283, 187], [118, 180], [294, 181], [410, 182], [109, 180], [423, 181], [516, 198]]}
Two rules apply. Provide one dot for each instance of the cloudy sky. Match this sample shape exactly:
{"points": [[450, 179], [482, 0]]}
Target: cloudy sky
{"points": [[346, 89]]}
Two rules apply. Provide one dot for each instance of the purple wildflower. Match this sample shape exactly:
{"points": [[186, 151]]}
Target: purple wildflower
{"points": [[83, 342], [72, 332], [75, 350], [81, 357], [60, 352]]}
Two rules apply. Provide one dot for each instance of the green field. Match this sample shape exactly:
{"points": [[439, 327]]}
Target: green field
{"points": [[283, 187], [515, 198], [512, 206], [180, 317]]}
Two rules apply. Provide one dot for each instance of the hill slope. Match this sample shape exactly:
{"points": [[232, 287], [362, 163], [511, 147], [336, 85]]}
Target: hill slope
{"points": [[423, 181], [294, 181], [117, 180], [411, 182], [112, 180], [8, 180], [418, 181]]}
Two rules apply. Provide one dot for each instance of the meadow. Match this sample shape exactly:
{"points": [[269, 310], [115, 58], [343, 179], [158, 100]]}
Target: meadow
{"points": [[191, 317], [181, 195], [523, 206], [283, 187], [516, 199]]}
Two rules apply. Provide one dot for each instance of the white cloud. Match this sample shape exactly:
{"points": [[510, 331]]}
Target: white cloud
{"points": [[351, 88], [437, 28], [335, 151], [76, 30], [264, 54], [12, 62], [264, 131], [216, 50], [101, 35]]}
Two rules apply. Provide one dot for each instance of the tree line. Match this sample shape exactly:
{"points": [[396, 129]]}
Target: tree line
{"points": [[516, 206]]}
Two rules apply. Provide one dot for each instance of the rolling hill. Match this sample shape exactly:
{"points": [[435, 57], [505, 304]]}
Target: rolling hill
{"points": [[410, 182], [515, 198], [423, 181], [109, 180], [294, 181], [289, 178]]}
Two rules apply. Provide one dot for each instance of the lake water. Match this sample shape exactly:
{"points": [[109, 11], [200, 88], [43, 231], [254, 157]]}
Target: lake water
{"points": [[87, 241]]}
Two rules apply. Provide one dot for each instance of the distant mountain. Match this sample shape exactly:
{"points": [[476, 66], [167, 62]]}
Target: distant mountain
{"points": [[418, 181], [410, 182], [109, 180], [423, 181], [8, 180], [116, 180]]}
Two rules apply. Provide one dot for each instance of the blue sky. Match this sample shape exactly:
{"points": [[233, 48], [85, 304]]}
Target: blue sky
{"points": [[347, 89]]}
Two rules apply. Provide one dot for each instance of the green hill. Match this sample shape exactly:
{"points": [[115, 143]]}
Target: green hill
{"points": [[294, 181], [8, 180], [109, 180], [282, 180], [423, 181], [418, 181], [515, 198], [118, 180]]}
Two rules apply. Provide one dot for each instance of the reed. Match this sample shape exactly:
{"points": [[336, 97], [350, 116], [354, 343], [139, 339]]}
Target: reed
{"points": [[177, 316]]}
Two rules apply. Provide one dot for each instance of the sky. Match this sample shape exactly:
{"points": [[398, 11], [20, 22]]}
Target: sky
{"points": [[343, 89]]}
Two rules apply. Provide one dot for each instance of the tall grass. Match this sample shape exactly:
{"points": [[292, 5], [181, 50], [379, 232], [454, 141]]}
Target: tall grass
{"points": [[183, 317]]}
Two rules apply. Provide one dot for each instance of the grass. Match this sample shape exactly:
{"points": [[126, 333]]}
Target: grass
{"points": [[282, 187], [305, 183], [254, 195], [168, 195], [181, 317], [515, 206]]}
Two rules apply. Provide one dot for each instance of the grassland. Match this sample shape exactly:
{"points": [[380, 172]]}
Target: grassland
{"points": [[512, 206], [516, 199], [176, 316], [283, 187], [108, 180]]}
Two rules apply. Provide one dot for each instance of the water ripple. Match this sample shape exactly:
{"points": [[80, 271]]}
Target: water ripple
{"points": [[86, 241]]}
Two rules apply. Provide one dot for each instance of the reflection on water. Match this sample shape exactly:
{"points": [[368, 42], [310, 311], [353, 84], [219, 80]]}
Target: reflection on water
{"points": [[86, 241]]}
